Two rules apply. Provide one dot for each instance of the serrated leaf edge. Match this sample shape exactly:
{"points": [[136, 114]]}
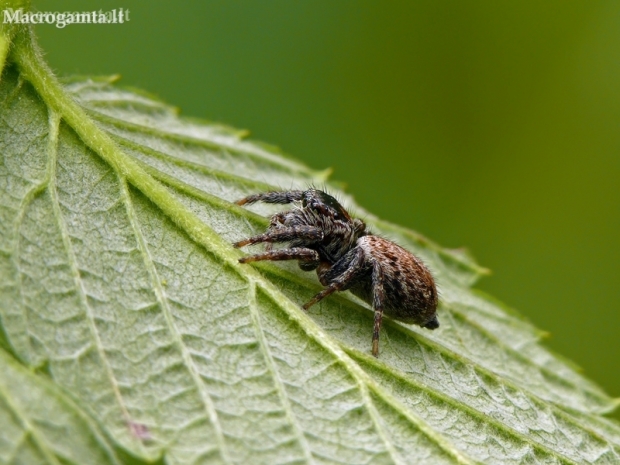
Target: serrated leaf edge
{"points": [[26, 56]]}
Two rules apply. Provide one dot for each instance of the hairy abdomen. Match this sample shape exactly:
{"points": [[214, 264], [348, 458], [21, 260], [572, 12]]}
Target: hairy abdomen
{"points": [[409, 289]]}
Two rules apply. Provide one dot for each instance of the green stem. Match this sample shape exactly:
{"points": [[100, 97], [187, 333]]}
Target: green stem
{"points": [[7, 31], [5, 45]]}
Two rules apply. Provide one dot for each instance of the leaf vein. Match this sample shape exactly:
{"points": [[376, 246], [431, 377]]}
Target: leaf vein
{"points": [[165, 307], [248, 150], [28, 428], [279, 384], [79, 287]]}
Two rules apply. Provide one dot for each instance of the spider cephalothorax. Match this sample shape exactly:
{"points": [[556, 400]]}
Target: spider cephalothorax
{"points": [[322, 236]]}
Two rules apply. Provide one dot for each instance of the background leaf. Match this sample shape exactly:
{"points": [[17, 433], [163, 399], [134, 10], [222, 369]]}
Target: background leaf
{"points": [[122, 294]]}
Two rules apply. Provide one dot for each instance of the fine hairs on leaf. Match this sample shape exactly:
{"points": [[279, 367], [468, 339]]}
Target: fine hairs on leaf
{"points": [[130, 333]]}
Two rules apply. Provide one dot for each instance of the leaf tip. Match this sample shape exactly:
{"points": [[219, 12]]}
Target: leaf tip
{"points": [[544, 334], [113, 78], [323, 175], [483, 271]]}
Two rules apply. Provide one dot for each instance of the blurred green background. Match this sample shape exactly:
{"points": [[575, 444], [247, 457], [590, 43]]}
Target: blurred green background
{"points": [[491, 125]]}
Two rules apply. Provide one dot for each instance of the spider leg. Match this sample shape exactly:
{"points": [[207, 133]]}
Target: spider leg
{"points": [[298, 253], [277, 221], [272, 197], [352, 263], [378, 297], [305, 233]]}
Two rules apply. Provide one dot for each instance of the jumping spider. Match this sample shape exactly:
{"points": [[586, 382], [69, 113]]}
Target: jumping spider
{"points": [[322, 236]]}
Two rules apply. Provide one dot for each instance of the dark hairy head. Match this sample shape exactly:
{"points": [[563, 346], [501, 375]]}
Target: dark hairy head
{"points": [[325, 204]]}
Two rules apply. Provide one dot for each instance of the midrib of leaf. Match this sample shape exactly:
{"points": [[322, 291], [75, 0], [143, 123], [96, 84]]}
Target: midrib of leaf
{"points": [[55, 97]]}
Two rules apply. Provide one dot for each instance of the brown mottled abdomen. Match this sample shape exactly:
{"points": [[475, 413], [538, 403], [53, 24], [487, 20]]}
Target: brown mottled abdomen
{"points": [[409, 289]]}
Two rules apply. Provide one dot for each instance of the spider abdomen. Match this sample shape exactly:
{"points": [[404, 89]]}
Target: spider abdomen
{"points": [[408, 286]]}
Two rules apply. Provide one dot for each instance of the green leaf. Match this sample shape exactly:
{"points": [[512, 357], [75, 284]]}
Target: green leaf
{"points": [[141, 337], [40, 424]]}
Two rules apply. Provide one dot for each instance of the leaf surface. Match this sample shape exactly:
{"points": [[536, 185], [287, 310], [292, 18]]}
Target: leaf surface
{"points": [[123, 300]]}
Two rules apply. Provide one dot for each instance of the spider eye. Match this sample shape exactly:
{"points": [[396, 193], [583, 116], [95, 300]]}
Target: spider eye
{"points": [[339, 211]]}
